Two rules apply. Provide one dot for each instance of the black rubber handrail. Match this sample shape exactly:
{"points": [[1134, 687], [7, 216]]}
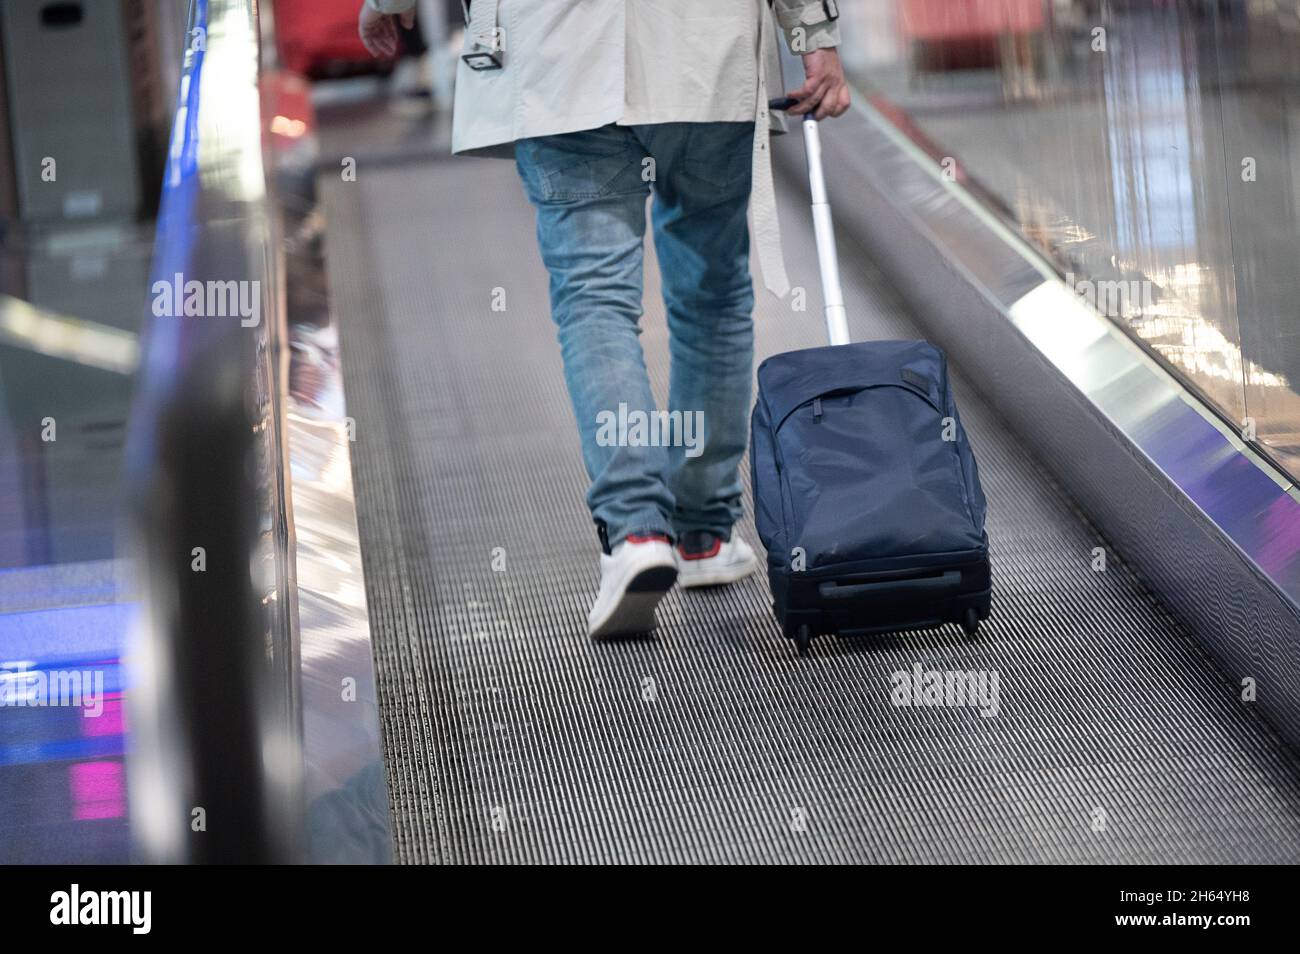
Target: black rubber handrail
{"points": [[214, 725]]}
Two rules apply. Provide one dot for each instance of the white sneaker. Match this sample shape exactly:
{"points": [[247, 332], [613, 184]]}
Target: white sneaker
{"points": [[633, 579], [706, 560]]}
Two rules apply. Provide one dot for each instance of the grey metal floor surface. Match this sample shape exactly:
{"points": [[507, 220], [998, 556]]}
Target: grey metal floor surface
{"points": [[511, 737]]}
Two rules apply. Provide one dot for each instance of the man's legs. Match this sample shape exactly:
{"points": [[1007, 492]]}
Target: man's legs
{"points": [[701, 192], [590, 198]]}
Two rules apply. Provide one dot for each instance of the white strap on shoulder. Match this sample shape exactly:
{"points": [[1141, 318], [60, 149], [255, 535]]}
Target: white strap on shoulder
{"points": [[762, 200], [484, 29]]}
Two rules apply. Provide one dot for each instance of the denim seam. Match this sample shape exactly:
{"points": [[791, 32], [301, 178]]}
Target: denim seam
{"points": [[555, 195]]}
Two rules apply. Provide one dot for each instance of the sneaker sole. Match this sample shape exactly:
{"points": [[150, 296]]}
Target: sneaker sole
{"points": [[718, 576], [635, 612]]}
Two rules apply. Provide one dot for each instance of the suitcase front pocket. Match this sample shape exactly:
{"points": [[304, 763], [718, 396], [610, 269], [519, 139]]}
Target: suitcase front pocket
{"points": [[868, 474]]}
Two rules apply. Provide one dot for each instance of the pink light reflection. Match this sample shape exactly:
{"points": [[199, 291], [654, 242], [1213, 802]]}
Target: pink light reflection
{"points": [[108, 722], [98, 790]]}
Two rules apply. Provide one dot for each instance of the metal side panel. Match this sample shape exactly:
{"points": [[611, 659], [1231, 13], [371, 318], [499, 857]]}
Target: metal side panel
{"points": [[511, 737]]}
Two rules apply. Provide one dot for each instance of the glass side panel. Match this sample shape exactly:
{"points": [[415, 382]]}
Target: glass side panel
{"points": [[1149, 147]]}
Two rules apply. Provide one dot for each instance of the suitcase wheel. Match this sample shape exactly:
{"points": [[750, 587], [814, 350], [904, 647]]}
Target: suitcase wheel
{"points": [[970, 623], [803, 639]]}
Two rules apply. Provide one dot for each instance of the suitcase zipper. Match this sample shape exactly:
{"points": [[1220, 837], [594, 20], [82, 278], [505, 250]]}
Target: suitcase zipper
{"points": [[815, 402], [950, 408]]}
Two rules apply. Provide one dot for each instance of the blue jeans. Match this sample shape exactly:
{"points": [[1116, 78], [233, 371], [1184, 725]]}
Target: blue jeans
{"points": [[651, 472]]}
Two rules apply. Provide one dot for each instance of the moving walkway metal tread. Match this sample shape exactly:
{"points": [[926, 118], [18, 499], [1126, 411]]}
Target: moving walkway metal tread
{"points": [[511, 737]]}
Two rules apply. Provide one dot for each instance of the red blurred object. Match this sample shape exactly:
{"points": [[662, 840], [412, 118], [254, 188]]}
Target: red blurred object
{"points": [[319, 38], [966, 20], [286, 108]]}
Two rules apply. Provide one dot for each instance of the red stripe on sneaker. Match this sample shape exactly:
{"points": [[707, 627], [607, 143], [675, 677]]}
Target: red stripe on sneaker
{"points": [[655, 538], [703, 554]]}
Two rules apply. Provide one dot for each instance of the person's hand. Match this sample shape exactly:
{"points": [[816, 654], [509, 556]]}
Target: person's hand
{"points": [[824, 88], [379, 30]]}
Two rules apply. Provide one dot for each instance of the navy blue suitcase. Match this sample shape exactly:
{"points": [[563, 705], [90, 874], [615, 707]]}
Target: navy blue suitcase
{"points": [[866, 493]]}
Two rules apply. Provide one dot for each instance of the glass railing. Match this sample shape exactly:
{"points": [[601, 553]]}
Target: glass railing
{"points": [[1151, 149]]}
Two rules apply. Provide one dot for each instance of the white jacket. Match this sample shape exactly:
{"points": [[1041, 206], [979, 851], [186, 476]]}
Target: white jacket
{"points": [[569, 65]]}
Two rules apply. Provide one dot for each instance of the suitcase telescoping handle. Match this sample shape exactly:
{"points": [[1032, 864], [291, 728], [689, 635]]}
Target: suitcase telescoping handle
{"points": [[837, 326]]}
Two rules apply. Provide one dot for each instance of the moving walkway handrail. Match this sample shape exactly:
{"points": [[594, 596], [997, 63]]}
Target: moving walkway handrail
{"points": [[214, 718]]}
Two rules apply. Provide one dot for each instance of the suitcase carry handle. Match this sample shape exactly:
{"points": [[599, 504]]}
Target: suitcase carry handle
{"points": [[837, 326], [947, 584]]}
